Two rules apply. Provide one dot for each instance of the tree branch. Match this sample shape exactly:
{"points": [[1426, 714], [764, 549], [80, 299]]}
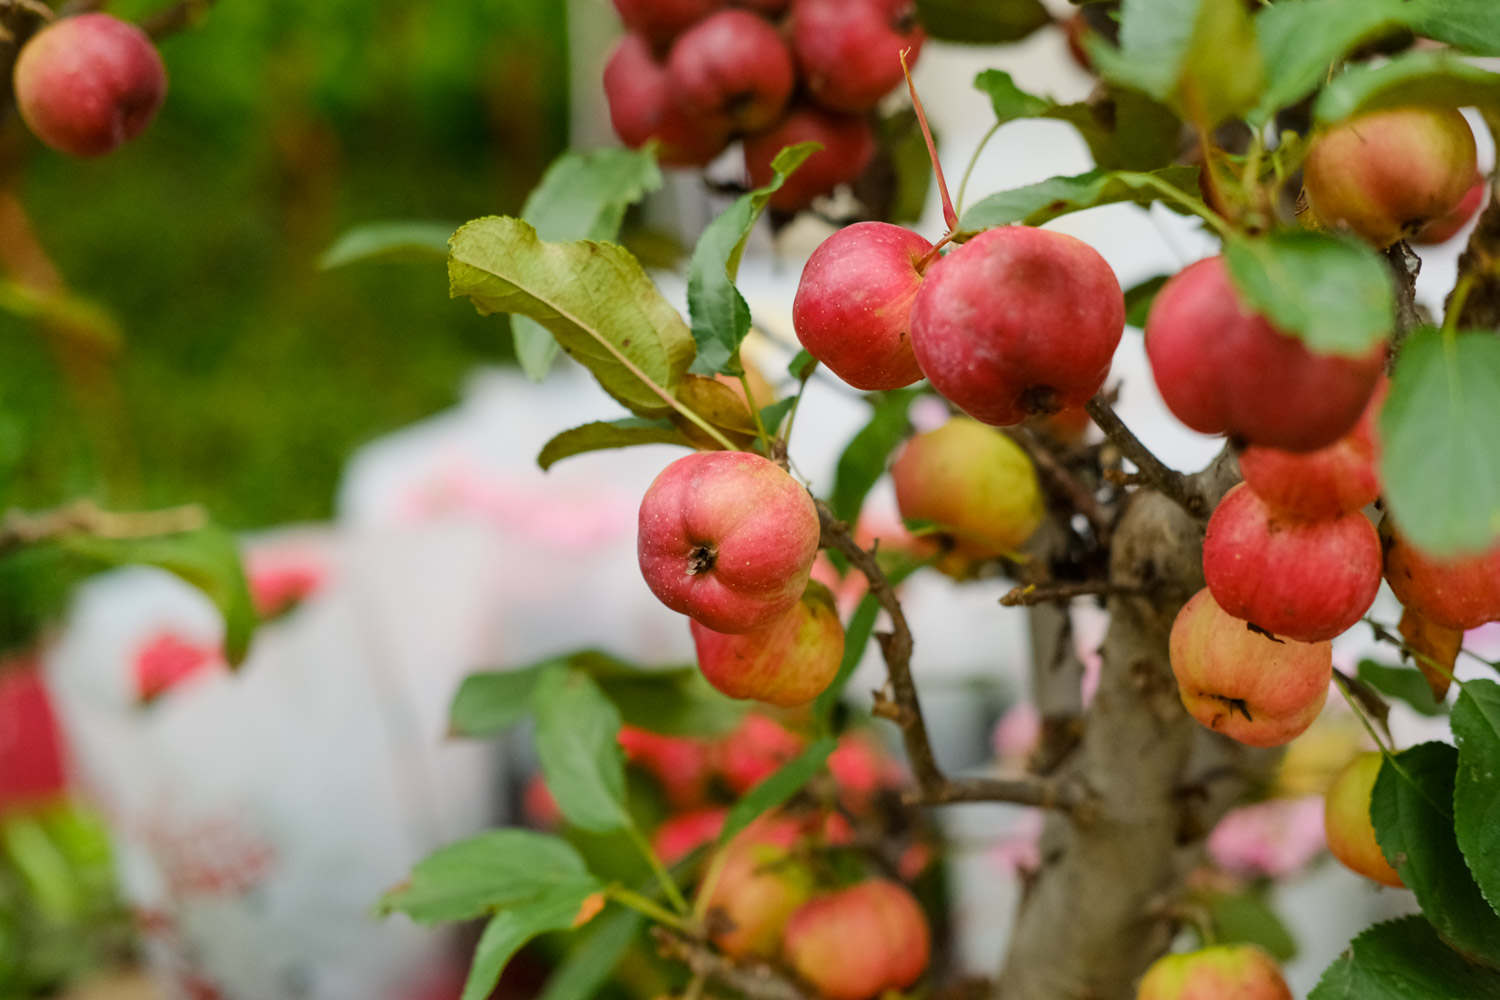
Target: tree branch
{"points": [[19, 528], [1062, 483], [1040, 593], [756, 980], [1022, 790], [1169, 482], [181, 15]]}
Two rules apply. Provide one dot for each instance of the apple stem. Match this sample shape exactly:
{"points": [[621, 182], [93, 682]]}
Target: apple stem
{"points": [[949, 215], [934, 253]]}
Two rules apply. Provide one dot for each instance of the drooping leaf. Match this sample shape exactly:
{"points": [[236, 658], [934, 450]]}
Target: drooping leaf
{"points": [[589, 964], [1197, 56], [509, 930], [863, 459], [1404, 683], [1299, 41], [1440, 436], [1140, 297], [1404, 960], [1037, 203], [1419, 77], [583, 196], [576, 731], [776, 790], [1476, 789], [594, 298], [1334, 294], [1470, 25], [1412, 809], [721, 317], [489, 703], [672, 702], [773, 415], [601, 435], [981, 22], [1248, 918], [490, 872], [390, 238]]}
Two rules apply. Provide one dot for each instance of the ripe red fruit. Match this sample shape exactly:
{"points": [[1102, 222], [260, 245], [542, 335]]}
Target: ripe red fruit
{"points": [[853, 305], [732, 68], [848, 147], [760, 885], [1459, 593], [1016, 322], [684, 833], [681, 765], [789, 662], [1252, 688], [849, 51], [1223, 972], [972, 483], [1347, 825], [1299, 579], [1387, 174], [858, 942], [1325, 483], [663, 20], [1223, 369], [756, 750], [31, 746], [641, 109], [727, 538], [1443, 229], [87, 84]]}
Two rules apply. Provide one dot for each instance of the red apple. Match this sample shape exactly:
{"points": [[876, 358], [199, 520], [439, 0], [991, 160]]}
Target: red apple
{"points": [[756, 750], [853, 305], [1444, 229], [761, 883], [1347, 825], [789, 662], [682, 766], [862, 770], [972, 483], [538, 805], [848, 147], [684, 833], [1252, 688], [1387, 174], [1224, 369], [663, 20], [1299, 579], [87, 84], [1017, 322], [732, 68], [856, 943], [32, 770], [641, 109], [1328, 482], [1223, 972], [727, 538], [849, 51], [1460, 592]]}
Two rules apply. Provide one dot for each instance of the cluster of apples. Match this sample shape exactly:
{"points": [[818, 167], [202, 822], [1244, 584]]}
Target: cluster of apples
{"points": [[693, 75], [85, 85]]}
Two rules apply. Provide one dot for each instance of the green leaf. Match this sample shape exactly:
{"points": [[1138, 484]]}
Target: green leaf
{"points": [[981, 22], [590, 962], [1476, 788], [1247, 918], [602, 435], [389, 238], [1139, 299], [208, 558], [1470, 25], [1198, 56], [900, 137], [1403, 960], [672, 702], [1405, 683], [802, 366], [1037, 203], [1419, 77], [487, 704], [856, 637], [576, 730], [772, 416], [863, 460], [495, 870], [1299, 41], [1440, 436], [1412, 809], [778, 789], [1333, 293], [721, 317], [509, 930], [594, 297], [583, 196]]}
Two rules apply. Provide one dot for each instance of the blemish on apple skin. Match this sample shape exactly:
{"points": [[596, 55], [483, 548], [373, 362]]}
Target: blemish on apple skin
{"points": [[1235, 704], [1266, 633]]}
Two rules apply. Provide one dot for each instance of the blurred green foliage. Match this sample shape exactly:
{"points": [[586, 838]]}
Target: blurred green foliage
{"points": [[246, 376]]}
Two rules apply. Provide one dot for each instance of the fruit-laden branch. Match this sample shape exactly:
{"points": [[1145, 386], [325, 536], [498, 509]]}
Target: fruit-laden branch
{"points": [[1480, 266], [19, 528], [1061, 482], [933, 786], [1169, 482], [756, 980]]}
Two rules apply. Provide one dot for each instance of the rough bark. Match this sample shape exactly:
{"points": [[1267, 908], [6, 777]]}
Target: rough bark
{"points": [[1100, 908], [1481, 260]]}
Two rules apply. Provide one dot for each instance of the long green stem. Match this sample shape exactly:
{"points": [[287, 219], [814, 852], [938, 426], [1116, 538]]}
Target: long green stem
{"points": [[1194, 205], [760, 425], [706, 887], [663, 877], [646, 907], [963, 185], [1338, 680]]}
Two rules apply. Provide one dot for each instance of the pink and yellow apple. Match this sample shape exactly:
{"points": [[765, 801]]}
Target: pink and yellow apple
{"points": [[788, 662]]}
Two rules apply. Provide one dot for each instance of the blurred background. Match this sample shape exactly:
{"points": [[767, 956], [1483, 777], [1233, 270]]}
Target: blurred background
{"points": [[167, 336]]}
